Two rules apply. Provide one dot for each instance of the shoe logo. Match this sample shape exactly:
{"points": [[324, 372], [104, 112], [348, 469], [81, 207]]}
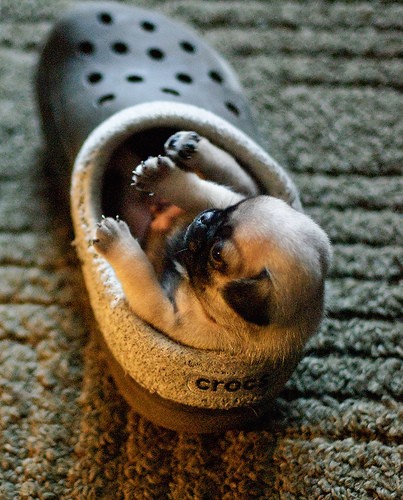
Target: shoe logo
{"points": [[230, 385]]}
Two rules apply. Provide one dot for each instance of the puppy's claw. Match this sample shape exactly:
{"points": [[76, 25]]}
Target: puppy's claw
{"points": [[149, 173]]}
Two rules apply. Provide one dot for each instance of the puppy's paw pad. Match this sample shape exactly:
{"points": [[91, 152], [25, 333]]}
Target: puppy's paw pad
{"points": [[109, 231], [150, 172], [182, 146]]}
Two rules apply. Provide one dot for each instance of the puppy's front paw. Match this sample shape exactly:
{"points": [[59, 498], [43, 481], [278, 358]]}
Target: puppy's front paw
{"points": [[110, 232], [182, 146], [151, 172]]}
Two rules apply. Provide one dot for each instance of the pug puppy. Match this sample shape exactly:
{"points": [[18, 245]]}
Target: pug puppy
{"points": [[241, 272]]}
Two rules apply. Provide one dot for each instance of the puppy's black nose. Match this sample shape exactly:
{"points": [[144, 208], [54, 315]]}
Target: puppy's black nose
{"points": [[198, 231], [206, 217]]}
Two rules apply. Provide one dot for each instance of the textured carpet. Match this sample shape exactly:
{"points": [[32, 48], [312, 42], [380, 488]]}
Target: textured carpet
{"points": [[325, 80]]}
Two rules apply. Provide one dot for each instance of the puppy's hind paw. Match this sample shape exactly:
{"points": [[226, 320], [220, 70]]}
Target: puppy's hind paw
{"points": [[108, 233], [182, 146], [149, 173]]}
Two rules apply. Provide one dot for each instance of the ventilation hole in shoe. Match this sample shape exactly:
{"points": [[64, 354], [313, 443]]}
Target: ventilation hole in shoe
{"points": [[94, 77], [134, 78], [216, 76], [105, 99], [105, 18], [187, 47], [231, 107], [120, 48], [170, 91], [184, 78], [156, 54], [86, 48], [148, 26]]}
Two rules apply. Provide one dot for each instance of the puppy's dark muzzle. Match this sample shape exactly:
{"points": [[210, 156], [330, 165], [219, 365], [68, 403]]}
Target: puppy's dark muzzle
{"points": [[197, 243], [201, 229]]}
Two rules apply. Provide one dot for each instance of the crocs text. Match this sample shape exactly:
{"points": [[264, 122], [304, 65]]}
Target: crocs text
{"points": [[257, 384]]}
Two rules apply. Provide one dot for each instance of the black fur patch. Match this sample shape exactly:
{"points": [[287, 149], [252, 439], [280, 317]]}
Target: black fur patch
{"points": [[250, 299]]}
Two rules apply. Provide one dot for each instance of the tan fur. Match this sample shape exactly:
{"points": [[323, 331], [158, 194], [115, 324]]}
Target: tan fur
{"points": [[268, 235]]}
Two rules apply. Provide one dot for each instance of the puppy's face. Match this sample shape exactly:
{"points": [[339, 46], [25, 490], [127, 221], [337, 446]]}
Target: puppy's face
{"points": [[259, 263]]}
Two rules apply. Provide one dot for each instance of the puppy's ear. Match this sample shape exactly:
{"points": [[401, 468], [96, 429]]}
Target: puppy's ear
{"points": [[250, 298]]}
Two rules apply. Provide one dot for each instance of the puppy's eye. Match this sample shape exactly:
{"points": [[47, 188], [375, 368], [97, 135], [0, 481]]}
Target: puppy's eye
{"points": [[216, 252]]}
